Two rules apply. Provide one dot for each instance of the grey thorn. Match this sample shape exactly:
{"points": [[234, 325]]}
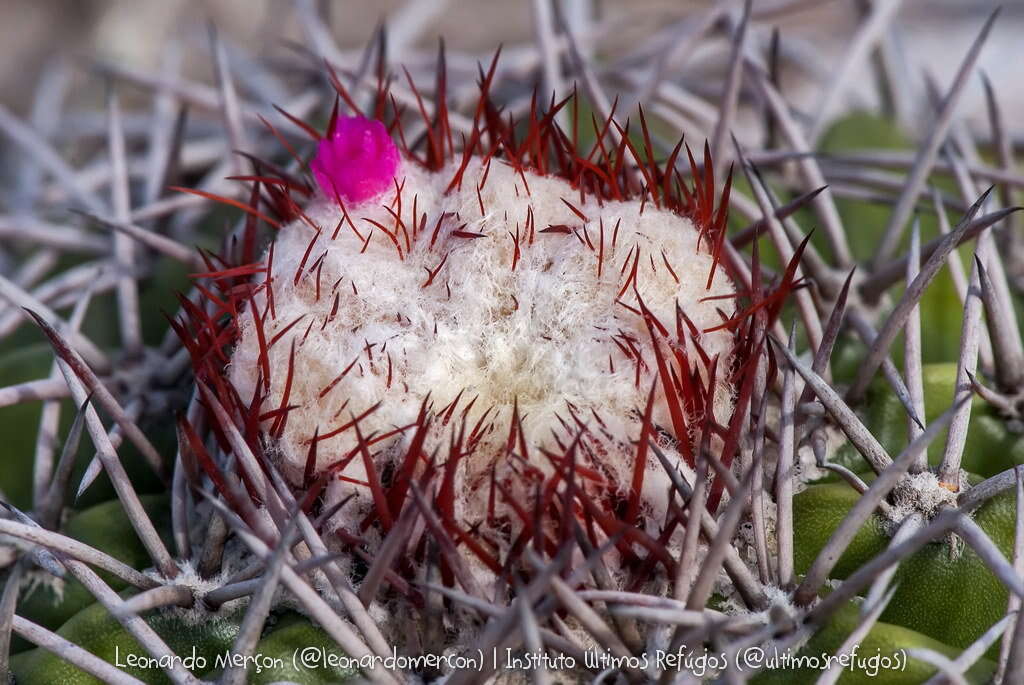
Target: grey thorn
{"points": [[998, 400], [975, 651], [128, 312], [8, 601], [748, 587], [43, 475], [153, 240], [48, 105], [867, 573], [942, 663], [912, 368], [745, 236], [133, 623], [894, 323], [157, 598], [166, 135], [47, 158], [392, 546], [180, 529], [1014, 603], [71, 653], [956, 441], [955, 264], [844, 416], [730, 93], [533, 640], [872, 287], [820, 449], [759, 496], [928, 151], [544, 30], [824, 204], [696, 503], [1012, 241], [309, 598], [126, 493], [230, 108], [984, 249], [828, 338], [45, 389], [860, 47], [591, 621], [116, 437], [977, 495], [1014, 672], [864, 626], [1008, 352], [804, 302], [76, 550], [20, 298], [103, 397], [841, 537], [259, 608], [989, 553], [704, 584], [49, 506], [784, 474]]}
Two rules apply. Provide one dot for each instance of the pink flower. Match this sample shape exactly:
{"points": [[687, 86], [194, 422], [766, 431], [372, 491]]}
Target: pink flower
{"points": [[357, 161]]}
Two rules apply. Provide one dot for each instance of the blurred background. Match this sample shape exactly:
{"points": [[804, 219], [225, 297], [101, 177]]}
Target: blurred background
{"points": [[926, 37]]}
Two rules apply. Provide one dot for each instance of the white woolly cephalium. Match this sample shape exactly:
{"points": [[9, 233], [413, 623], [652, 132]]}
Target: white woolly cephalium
{"points": [[485, 306]]}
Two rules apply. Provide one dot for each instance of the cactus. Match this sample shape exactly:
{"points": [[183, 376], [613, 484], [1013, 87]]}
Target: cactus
{"points": [[473, 371]]}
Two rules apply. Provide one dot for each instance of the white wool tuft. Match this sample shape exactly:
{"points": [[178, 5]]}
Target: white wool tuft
{"points": [[924, 493], [548, 335]]}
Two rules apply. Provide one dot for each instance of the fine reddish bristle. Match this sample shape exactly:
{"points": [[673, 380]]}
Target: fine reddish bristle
{"points": [[580, 494]]}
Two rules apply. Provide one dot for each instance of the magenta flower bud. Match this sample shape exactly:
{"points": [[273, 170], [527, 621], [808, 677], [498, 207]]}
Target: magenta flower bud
{"points": [[357, 161]]}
